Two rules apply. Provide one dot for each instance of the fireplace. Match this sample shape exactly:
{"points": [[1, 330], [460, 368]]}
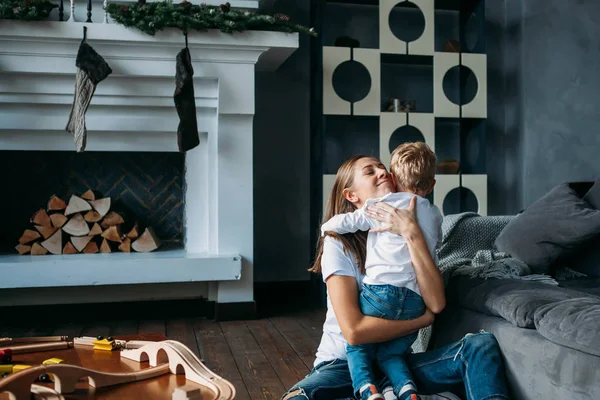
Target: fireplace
{"points": [[143, 186], [206, 217]]}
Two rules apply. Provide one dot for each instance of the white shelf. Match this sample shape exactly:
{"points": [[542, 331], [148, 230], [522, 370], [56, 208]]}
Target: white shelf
{"points": [[371, 104], [442, 106], [389, 43], [476, 183], [390, 121], [332, 103], [116, 269]]}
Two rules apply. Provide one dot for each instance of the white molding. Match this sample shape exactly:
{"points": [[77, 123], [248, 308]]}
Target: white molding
{"points": [[328, 181], [51, 39], [476, 108], [116, 269], [389, 122], [442, 107], [444, 185], [98, 294], [389, 43], [332, 58], [477, 183], [235, 3], [371, 104]]}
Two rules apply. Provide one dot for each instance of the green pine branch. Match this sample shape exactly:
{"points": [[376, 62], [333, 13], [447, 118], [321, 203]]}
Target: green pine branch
{"points": [[27, 10], [153, 17]]}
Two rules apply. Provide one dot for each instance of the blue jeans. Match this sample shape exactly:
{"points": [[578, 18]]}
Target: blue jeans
{"points": [[388, 302], [471, 368]]}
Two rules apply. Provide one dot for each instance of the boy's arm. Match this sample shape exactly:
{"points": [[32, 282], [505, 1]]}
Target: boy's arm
{"points": [[347, 223]]}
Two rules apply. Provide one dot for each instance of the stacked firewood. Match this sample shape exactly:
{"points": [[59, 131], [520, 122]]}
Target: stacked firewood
{"points": [[84, 225]]}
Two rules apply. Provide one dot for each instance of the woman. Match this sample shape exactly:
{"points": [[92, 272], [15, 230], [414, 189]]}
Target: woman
{"points": [[471, 367]]}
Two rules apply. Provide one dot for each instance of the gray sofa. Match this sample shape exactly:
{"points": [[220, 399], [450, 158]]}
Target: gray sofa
{"points": [[549, 334], [536, 367]]}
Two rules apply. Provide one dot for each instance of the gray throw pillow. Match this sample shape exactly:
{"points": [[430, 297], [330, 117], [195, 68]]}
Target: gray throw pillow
{"points": [[593, 195], [554, 227], [573, 323]]}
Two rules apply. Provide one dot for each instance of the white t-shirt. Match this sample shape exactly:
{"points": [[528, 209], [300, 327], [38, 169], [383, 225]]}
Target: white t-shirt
{"points": [[388, 258], [334, 262]]}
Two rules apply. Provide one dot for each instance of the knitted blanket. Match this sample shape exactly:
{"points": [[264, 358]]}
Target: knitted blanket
{"points": [[468, 249]]}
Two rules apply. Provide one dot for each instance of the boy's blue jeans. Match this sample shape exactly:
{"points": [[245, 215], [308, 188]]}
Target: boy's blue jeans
{"points": [[388, 302]]}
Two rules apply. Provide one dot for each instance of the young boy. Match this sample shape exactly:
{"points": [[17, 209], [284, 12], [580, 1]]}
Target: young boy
{"points": [[390, 288]]}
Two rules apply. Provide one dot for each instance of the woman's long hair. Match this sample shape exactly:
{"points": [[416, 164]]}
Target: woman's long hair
{"points": [[354, 243]]}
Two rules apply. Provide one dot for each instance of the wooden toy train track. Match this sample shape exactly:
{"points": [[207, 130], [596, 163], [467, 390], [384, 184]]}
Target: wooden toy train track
{"points": [[164, 357]]}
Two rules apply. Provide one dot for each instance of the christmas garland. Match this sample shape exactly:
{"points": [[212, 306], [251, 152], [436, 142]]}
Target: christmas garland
{"points": [[153, 17], [27, 10]]}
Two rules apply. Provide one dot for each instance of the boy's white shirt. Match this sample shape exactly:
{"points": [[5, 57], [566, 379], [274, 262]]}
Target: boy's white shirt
{"points": [[388, 258]]}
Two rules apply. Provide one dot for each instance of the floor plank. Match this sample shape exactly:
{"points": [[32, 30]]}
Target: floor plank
{"points": [[152, 326], [183, 331], [298, 338], [123, 327], [100, 328], [256, 371], [284, 360], [71, 329], [217, 355], [312, 322]]}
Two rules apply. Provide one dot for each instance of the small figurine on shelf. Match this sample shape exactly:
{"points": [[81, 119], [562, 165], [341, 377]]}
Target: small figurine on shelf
{"points": [[400, 105], [448, 167], [452, 46]]}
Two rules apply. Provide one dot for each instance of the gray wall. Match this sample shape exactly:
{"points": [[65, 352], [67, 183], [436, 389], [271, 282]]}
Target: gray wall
{"points": [[541, 128], [282, 160], [551, 52]]}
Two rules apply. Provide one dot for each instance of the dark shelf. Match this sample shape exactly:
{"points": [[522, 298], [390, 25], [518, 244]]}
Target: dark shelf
{"points": [[456, 5], [406, 59], [345, 136], [353, 20], [359, 2], [408, 82]]}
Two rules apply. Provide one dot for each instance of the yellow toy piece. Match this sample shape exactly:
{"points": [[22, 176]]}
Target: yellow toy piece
{"points": [[6, 368], [19, 367], [52, 361], [104, 344]]}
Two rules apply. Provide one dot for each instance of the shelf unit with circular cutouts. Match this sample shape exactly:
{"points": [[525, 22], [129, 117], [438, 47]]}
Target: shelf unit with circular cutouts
{"points": [[404, 53]]}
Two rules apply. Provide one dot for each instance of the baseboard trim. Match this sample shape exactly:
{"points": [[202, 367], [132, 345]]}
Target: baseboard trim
{"points": [[235, 311], [135, 310]]}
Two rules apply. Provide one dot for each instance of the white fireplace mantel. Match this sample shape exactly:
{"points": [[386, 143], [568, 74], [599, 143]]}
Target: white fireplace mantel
{"points": [[133, 110]]}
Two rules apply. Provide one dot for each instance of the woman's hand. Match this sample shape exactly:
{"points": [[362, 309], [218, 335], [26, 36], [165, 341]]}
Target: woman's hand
{"points": [[402, 222]]}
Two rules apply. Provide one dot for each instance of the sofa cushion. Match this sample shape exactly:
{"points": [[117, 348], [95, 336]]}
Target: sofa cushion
{"points": [[555, 226], [515, 300], [573, 323], [593, 195]]}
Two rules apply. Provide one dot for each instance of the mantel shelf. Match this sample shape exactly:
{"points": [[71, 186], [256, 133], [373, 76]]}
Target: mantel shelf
{"points": [[275, 47], [116, 269]]}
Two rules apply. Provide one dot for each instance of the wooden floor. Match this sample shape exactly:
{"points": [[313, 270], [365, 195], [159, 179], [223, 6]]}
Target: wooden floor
{"points": [[262, 358]]}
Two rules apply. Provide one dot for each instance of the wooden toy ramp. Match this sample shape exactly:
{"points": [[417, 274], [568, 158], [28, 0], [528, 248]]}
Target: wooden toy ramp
{"points": [[182, 360], [175, 372]]}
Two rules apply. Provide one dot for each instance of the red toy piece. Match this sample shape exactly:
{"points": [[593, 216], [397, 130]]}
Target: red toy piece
{"points": [[5, 356]]}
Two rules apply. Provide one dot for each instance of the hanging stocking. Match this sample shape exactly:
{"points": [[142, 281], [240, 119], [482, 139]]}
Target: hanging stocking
{"points": [[187, 131], [91, 70]]}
